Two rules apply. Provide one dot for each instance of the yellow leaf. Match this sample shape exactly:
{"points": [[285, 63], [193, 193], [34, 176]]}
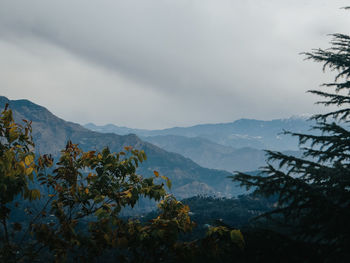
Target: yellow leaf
{"points": [[237, 237], [29, 170], [128, 148], [86, 190], [128, 194], [29, 159], [34, 194], [22, 164], [168, 183], [156, 173]]}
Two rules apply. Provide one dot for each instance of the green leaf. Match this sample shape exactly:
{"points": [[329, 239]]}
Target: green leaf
{"points": [[99, 212], [99, 198]]}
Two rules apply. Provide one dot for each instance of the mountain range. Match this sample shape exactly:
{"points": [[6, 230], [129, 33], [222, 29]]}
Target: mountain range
{"points": [[258, 134], [236, 146], [51, 133], [213, 155]]}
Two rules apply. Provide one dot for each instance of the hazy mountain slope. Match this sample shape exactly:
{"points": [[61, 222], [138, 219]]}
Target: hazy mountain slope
{"points": [[212, 155], [51, 133], [111, 128], [241, 133], [209, 154]]}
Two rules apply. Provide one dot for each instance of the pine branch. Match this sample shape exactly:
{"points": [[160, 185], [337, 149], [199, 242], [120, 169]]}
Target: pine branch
{"points": [[334, 98], [341, 115]]}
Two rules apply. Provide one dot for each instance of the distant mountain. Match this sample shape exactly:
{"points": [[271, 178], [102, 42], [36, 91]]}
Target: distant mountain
{"points": [[238, 134], [229, 146], [111, 128], [51, 134], [213, 155], [209, 154]]}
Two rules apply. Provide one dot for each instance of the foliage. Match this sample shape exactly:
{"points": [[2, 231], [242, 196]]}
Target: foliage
{"points": [[314, 191], [17, 169], [73, 213], [236, 213]]}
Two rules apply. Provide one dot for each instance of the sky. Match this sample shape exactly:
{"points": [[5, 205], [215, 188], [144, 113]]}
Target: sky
{"points": [[163, 63]]}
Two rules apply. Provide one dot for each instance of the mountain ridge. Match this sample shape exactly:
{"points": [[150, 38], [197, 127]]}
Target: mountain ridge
{"points": [[51, 133], [241, 133]]}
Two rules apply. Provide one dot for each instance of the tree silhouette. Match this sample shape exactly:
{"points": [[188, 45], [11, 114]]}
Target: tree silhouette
{"points": [[314, 191]]}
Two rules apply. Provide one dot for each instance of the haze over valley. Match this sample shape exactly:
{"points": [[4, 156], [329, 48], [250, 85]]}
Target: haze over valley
{"points": [[236, 146]]}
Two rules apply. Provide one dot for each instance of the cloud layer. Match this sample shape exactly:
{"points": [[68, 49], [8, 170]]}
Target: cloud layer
{"points": [[155, 64]]}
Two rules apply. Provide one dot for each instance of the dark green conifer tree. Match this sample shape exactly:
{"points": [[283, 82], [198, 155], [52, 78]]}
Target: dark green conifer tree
{"points": [[314, 191]]}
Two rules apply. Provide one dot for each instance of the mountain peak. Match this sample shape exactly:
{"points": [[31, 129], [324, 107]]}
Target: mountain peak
{"points": [[22, 103]]}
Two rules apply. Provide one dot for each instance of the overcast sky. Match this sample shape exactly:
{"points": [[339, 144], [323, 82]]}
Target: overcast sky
{"points": [[163, 63]]}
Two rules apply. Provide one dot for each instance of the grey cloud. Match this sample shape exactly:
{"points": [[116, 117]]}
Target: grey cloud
{"points": [[209, 60]]}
